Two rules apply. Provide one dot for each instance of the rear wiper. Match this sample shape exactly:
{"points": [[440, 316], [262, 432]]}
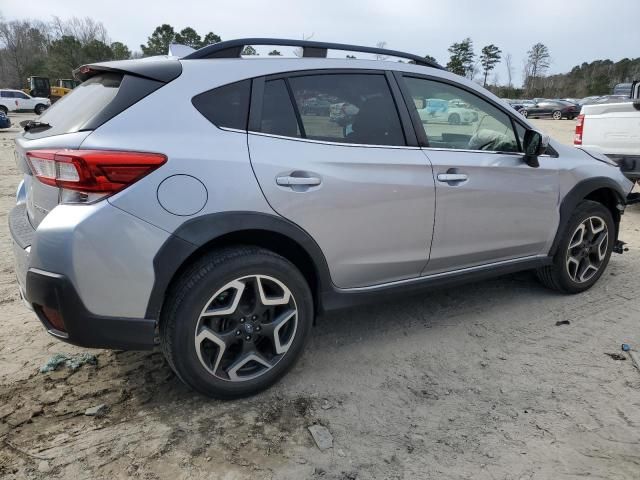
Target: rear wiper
{"points": [[30, 125]]}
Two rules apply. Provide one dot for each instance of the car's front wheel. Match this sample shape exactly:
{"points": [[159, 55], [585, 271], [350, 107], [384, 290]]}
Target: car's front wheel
{"points": [[584, 250], [524, 113], [236, 321], [39, 109], [4, 109]]}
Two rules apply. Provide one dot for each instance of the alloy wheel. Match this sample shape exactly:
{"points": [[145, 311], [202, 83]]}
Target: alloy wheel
{"points": [[587, 249], [524, 113], [557, 115], [246, 328]]}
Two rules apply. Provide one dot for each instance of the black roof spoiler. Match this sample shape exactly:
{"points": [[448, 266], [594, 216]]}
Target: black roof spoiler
{"points": [[161, 70], [233, 49]]}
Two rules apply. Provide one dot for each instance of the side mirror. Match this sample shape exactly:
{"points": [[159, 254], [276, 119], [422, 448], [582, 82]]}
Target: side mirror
{"points": [[635, 90], [535, 144], [420, 103]]}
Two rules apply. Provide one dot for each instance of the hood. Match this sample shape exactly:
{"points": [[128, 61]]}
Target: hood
{"points": [[601, 157]]}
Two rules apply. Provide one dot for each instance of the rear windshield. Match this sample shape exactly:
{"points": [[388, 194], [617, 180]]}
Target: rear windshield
{"points": [[73, 110]]}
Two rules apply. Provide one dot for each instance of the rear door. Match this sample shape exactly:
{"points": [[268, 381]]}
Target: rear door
{"points": [[491, 206], [348, 176]]}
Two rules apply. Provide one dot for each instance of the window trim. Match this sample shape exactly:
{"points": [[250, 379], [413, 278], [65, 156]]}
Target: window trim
{"points": [[255, 111], [417, 123]]}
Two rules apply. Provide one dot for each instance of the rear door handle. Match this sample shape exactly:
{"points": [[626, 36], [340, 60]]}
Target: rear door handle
{"points": [[291, 181], [452, 177]]}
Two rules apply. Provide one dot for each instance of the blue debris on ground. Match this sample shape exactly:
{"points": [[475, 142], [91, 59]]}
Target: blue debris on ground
{"points": [[74, 362]]}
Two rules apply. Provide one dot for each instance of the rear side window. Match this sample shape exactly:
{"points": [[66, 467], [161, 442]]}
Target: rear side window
{"points": [[74, 110], [226, 106], [348, 108]]}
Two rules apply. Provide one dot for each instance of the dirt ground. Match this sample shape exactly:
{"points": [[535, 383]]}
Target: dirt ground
{"points": [[476, 382]]}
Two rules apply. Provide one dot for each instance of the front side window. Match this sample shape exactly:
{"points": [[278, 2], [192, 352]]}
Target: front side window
{"points": [[346, 108], [455, 118], [22, 95]]}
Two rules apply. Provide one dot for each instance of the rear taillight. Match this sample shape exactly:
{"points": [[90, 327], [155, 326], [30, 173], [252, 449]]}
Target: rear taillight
{"points": [[577, 138], [96, 173]]}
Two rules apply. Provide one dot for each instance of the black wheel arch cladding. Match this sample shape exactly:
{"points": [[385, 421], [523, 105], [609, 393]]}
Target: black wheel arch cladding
{"points": [[580, 192], [198, 234]]}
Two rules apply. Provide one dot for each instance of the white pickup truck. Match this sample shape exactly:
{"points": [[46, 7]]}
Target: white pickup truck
{"points": [[613, 129]]}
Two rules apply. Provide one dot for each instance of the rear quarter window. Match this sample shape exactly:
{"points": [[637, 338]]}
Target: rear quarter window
{"points": [[226, 106]]}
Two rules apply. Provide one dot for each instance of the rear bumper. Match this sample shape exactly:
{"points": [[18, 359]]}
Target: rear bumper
{"points": [[82, 328], [96, 281], [629, 165]]}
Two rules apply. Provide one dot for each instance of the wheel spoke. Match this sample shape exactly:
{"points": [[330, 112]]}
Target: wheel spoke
{"points": [[596, 228], [578, 236], [272, 330], [238, 288], [271, 300], [575, 262], [601, 246], [222, 341], [243, 360]]}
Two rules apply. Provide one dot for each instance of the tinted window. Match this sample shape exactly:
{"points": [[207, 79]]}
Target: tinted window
{"points": [[72, 111], [349, 108], [455, 118], [226, 106], [278, 115], [21, 95], [5, 95]]}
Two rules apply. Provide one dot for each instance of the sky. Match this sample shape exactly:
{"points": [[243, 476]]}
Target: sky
{"points": [[575, 31]]}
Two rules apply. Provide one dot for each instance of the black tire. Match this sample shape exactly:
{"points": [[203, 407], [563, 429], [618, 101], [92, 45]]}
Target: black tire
{"points": [[39, 109], [4, 109], [557, 276], [454, 119], [191, 293], [557, 115]]}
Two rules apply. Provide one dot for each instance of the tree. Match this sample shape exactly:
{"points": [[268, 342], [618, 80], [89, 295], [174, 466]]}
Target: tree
{"points": [[489, 58], [249, 50], [537, 64], [119, 51], [189, 37], [275, 53], [84, 30], [381, 44], [210, 38], [461, 60], [96, 51], [22, 51], [65, 54], [429, 58], [508, 61], [158, 42]]}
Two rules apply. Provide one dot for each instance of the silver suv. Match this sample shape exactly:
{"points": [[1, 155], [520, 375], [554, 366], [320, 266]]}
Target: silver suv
{"points": [[216, 203]]}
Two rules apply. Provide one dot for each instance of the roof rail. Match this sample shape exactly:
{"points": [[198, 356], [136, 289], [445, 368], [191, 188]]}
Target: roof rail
{"points": [[233, 49]]}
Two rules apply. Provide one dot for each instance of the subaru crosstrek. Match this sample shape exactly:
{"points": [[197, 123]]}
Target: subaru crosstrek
{"points": [[201, 201]]}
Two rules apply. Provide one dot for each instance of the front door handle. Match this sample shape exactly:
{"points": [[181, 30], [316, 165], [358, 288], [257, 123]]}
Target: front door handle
{"points": [[303, 181], [452, 177]]}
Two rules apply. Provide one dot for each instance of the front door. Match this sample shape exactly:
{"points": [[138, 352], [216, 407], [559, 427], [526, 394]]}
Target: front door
{"points": [[345, 175], [491, 206]]}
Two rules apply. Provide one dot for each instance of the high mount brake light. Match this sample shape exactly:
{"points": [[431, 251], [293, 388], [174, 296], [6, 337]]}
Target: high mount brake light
{"points": [[577, 138], [92, 171]]}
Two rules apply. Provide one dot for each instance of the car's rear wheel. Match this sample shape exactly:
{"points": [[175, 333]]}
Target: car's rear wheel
{"points": [[4, 109], [39, 109], [557, 115], [236, 321], [454, 119], [524, 113], [584, 250]]}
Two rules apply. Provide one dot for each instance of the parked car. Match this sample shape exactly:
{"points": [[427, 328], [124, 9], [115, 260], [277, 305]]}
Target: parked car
{"points": [[16, 100], [4, 120], [612, 129], [228, 227], [440, 110], [555, 109]]}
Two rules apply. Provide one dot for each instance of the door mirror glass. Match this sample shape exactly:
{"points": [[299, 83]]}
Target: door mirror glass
{"points": [[420, 103], [534, 145]]}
